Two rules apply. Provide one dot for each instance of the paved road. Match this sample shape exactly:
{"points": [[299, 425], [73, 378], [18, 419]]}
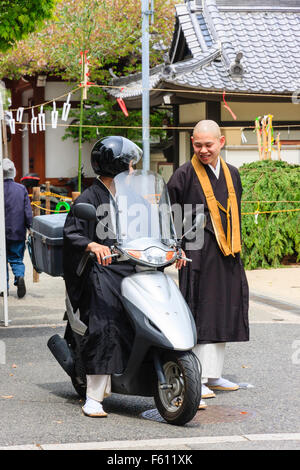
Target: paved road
{"points": [[39, 407]]}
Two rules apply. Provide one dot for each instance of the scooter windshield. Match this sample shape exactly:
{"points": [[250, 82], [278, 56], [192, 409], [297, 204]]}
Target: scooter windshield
{"points": [[143, 209]]}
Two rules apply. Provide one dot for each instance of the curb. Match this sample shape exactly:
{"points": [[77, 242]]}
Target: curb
{"points": [[271, 301]]}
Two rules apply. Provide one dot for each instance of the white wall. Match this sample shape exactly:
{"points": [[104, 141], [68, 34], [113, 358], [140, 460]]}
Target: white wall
{"points": [[62, 155], [193, 112], [238, 155]]}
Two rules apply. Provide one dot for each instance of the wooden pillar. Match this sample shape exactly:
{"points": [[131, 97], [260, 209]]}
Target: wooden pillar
{"points": [[213, 111], [75, 195]]}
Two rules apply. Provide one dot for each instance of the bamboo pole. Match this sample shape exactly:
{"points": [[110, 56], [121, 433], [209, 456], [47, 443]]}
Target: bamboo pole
{"points": [[36, 211], [269, 153], [264, 137], [4, 136], [258, 136]]}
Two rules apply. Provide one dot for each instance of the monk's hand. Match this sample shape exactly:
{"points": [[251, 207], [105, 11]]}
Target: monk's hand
{"points": [[100, 251], [180, 262]]}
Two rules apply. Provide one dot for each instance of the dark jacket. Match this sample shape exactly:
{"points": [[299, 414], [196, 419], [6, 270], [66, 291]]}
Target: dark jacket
{"points": [[18, 213]]}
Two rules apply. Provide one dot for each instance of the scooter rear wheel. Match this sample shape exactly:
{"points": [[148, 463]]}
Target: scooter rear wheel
{"points": [[179, 404]]}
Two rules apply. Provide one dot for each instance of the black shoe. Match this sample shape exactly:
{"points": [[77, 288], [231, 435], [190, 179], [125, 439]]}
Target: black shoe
{"points": [[21, 287], [2, 294]]}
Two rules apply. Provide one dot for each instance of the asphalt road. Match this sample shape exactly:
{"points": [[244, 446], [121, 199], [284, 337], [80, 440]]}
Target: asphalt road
{"points": [[39, 407]]}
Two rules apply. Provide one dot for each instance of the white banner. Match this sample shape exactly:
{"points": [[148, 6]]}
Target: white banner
{"points": [[3, 280]]}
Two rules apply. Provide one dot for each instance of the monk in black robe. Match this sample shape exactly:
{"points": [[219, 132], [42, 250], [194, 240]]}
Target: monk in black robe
{"points": [[213, 284], [96, 293], [97, 290]]}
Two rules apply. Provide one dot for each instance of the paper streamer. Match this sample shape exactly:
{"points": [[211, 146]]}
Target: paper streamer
{"points": [[42, 119], [66, 109], [11, 122], [228, 107], [243, 137], [54, 116], [20, 114], [33, 123]]}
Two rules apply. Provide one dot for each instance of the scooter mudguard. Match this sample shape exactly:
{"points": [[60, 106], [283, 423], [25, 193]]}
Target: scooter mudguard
{"points": [[158, 298]]}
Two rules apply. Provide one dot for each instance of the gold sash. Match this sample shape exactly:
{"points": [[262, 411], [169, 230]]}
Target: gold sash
{"points": [[230, 244]]}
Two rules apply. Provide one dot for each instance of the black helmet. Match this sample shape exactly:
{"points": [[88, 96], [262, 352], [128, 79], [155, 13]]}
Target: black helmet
{"points": [[111, 155]]}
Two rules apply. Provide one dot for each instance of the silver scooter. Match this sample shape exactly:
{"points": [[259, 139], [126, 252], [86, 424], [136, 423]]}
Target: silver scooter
{"points": [[161, 363]]}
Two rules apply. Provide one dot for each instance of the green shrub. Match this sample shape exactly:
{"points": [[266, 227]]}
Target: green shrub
{"points": [[276, 235]]}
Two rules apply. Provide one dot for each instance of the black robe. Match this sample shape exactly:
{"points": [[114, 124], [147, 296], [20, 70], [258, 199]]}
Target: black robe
{"points": [[214, 286], [96, 293]]}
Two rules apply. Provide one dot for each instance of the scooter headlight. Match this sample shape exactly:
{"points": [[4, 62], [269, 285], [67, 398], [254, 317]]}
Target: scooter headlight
{"points": [[153, 255]]}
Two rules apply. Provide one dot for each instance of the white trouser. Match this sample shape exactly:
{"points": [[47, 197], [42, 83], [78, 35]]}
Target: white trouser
{"points": [[211, 357], [98, 387]]}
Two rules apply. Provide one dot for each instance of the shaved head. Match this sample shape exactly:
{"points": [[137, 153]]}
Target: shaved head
{"points": [[207, 142], [207, 126]]}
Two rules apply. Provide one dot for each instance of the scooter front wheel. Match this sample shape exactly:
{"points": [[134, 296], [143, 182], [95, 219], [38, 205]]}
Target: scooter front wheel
{"points": [[179, 400]]}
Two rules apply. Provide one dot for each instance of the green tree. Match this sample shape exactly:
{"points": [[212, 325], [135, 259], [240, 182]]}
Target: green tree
{"points": [[109, 29], [21, 17], [271, 237]]}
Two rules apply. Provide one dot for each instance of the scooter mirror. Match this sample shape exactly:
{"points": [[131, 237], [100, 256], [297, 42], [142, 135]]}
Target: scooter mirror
{"points": [[85, 211]]}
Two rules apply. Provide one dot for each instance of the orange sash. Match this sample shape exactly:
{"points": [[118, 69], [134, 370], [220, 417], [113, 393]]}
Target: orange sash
{"points": [[230, 244]]}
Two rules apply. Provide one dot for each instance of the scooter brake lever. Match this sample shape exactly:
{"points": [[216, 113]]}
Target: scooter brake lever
{"points": [[185, 259], [111, 256]]}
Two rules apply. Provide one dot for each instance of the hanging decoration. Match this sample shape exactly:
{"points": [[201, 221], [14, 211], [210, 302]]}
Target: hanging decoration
{"points": [[228, 107], [66, 109], [42, 119], [20, 114], [54, 116], [33, 123], [11, 122], [243, 137], [122, 105], [85, 83], [265, 136]]}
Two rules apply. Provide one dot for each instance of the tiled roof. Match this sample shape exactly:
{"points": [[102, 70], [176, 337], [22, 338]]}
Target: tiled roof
{"points": [[216, 31]]}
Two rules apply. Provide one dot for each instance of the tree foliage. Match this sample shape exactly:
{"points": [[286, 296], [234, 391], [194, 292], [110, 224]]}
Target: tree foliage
{"points": [[21, 17], [109, 29], [275, 235]]}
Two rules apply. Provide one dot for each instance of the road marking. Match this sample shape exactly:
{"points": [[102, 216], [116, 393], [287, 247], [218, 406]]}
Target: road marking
{"points": [[155, 444]]}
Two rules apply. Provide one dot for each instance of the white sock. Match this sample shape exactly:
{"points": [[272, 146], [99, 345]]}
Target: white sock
{"points": [[92, 406], [220, 382], [205, 390]]}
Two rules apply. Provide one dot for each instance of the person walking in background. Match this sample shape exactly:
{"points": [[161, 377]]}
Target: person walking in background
{"points": [[18, 218]]}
